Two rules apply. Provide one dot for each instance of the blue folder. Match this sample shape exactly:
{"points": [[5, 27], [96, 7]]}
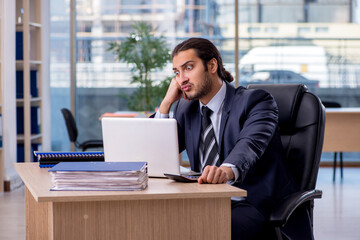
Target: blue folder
{"points": [[98, 166]]}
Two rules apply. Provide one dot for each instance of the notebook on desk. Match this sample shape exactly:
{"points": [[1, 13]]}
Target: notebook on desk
{"points": [[143, 139]]}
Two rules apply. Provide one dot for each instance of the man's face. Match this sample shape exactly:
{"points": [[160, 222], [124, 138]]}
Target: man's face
{"points": [[194, 80]]}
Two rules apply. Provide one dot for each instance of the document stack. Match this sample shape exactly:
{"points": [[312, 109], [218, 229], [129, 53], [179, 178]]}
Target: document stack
{"points": [[99, 176]]}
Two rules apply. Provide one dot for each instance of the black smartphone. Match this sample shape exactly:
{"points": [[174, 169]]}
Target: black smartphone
{"points": [[182, 178]]}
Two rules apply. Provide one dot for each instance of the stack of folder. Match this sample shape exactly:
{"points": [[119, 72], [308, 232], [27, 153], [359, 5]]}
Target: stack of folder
{"points": [[99, 176]]}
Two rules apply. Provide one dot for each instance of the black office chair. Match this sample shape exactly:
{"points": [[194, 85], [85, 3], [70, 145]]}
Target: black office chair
{"points": [[302, 125], [328, 104], [73, 133]]}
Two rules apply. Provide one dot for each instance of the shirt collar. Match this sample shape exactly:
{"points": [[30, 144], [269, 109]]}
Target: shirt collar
{"points": [[216, 102]]}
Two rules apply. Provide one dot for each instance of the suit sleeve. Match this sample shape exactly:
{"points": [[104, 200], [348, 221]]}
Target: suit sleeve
{"points": [[258, 123], [180, 125], [181, 138]]}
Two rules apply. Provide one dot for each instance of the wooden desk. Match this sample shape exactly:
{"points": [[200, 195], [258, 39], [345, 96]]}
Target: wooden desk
{"points": [[342, 130], [165, 210]]}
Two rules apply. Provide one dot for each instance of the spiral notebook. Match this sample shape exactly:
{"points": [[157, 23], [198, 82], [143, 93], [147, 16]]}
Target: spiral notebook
{"points": [[50, 159]]}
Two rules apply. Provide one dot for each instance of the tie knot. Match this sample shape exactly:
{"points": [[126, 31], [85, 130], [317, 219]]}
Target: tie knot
{"points": [[206, 112]]}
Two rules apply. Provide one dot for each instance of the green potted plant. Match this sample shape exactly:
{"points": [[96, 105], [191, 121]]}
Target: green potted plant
{"points": [[145, 53]]}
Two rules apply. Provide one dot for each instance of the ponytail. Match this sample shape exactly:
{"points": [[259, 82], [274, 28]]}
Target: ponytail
{"points": [[226, 75], [206, 51]]}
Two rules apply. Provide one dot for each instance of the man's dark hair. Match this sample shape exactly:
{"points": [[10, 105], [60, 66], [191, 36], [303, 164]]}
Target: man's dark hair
{"points": [[206, 51]]}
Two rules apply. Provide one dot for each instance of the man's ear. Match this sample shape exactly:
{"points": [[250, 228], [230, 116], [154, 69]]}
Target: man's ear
{"points": [[212, 65]]}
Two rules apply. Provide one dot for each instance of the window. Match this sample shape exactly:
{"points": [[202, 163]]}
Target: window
{"points": [[322, 29], [271, 29], [303, 30], [269, 25], [253, 29]]}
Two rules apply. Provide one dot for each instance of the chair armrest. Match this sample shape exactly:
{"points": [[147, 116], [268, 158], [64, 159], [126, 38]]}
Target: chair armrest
{"points": [[92, 142], [283, 211]]}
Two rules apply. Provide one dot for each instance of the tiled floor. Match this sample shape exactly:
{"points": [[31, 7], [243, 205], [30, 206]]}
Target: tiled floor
{"points": [[12, 215], [336, 216]]}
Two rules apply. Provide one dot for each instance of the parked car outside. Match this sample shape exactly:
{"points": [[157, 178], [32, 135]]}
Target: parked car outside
{"points": [[277, 77], [310, 61]]}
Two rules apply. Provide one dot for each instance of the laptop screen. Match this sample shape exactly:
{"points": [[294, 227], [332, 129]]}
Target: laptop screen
{"points": [[142, 139]]}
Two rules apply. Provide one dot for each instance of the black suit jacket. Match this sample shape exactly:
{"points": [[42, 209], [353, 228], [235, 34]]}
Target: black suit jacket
{"points": [[249, 139]]}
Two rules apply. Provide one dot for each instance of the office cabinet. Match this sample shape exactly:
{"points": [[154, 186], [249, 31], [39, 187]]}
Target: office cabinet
{"points": [[1, 95], [25, 89], [7, 92]]}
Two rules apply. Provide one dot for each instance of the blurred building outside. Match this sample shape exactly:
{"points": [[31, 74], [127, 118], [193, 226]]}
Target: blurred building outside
{"points": [[330, 25]]}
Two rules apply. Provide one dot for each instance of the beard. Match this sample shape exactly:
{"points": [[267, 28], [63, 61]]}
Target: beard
{"points": [[204, 88]]}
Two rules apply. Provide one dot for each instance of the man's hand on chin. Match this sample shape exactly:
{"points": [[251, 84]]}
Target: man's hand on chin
{"points": [[213, 174]]}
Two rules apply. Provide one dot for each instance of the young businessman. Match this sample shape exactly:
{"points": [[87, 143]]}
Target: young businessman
{"points": [[235, 142]]}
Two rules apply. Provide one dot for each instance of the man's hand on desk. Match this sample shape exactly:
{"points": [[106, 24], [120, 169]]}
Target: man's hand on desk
{"points": [[213, 174]]}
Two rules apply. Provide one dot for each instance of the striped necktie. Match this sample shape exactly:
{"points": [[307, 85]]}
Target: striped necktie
{"points": [[208, 146]]}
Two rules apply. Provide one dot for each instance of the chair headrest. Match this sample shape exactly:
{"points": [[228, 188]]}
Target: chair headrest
{"points": [[288, 98]]}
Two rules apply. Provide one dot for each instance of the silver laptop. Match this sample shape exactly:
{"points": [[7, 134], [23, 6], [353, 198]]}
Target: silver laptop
{"points": [[143, 139]]}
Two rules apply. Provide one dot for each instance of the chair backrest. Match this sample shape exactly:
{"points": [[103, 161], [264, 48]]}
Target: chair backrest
{"points": [[302, 125], [70, 124]]}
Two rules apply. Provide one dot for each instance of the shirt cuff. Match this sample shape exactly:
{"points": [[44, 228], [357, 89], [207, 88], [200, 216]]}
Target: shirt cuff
{"points": [[161, 115], [235, 171]]}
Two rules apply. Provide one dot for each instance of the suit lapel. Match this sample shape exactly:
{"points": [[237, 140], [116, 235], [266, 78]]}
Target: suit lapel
{"points": [[230, 91]]}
